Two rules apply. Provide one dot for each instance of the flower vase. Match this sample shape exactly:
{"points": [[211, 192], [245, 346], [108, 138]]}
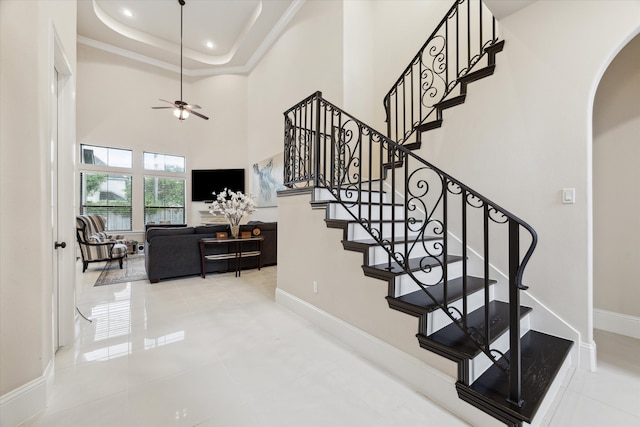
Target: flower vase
{"points": [[235, 230]]}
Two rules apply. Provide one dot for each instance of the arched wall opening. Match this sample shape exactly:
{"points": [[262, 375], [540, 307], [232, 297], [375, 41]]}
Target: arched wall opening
{"points": [[616, 194]]}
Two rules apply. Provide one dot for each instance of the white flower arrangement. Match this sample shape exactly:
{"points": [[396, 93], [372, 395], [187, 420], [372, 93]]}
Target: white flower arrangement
{"points": [[233, 205]]}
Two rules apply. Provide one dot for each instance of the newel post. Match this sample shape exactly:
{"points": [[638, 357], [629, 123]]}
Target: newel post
{"points": [[515, 368]]}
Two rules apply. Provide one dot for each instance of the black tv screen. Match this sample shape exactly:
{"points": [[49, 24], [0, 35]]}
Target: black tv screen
{"points": [[205, 182]]}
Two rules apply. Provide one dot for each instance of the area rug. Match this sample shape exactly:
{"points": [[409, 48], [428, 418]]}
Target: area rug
{"points": [[132, 270]]}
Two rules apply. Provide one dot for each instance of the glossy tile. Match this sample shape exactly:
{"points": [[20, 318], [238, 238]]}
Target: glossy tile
{"points": [[219, 352]]}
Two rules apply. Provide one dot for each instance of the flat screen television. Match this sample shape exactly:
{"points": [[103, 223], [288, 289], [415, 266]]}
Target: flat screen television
{"points": [[205, 182]]}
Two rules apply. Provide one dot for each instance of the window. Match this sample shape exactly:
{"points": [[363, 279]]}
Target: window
{"points": [[108, 195], [105, 156], [113, 184], [163, 162], [164, 200]]}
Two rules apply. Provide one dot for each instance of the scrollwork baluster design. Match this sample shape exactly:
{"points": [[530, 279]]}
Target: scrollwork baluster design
{"points": [[434, 72]]}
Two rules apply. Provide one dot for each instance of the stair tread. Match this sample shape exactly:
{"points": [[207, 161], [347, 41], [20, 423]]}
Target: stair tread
{"points": [[542, 357], [453, 337], [451, 102], [412, 145], [496, 47], [414, 264], [478, 74], [397, 164], [421, 302], [429, 125]]}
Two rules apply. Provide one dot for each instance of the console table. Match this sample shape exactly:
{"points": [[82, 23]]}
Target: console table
{"points": [[234, 250]]}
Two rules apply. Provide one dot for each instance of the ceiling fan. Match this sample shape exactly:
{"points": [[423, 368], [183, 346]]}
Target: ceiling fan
{"points": [[181, 109]]}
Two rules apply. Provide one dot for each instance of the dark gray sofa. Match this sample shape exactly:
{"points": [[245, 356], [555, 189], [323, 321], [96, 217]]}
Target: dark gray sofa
{"points": [[175, 252]]}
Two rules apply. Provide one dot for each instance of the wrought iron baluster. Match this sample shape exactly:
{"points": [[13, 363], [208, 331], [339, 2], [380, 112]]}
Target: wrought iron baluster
{"points": [[465, 274], [468, 35], [480, 26], [445, 213], [457, 40]]}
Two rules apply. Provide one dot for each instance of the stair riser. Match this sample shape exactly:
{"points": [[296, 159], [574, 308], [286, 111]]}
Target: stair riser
{"points": [[405, 284], [358, 232], [337, 211], [364, 196], [378, 254], [437, 319], [479, 364]]}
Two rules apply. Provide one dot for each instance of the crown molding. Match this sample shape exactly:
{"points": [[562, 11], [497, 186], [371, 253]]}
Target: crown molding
{"points": [[262, 49]]}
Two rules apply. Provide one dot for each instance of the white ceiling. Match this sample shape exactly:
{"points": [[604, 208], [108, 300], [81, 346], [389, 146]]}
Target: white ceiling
{"points": [[241, 31], [503, 8]]}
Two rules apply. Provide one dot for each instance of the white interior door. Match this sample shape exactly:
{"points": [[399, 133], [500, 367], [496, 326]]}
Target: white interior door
{"points": [[62, 166]]}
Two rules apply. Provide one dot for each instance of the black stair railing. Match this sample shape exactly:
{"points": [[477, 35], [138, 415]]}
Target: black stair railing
{"points": [[325, 147], [455, 46]]}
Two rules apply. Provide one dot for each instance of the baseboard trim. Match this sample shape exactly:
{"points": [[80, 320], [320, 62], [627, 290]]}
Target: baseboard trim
{"points": [[618, 323], [435, 385], [20, 404]]}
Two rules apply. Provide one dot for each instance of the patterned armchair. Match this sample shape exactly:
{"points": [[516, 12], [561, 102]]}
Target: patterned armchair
{"points": [[95, 244]]}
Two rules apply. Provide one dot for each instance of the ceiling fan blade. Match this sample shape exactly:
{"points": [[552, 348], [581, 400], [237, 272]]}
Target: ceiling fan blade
{"points": [[157, 108], [193, 106], [168, 102], [199, 115]]}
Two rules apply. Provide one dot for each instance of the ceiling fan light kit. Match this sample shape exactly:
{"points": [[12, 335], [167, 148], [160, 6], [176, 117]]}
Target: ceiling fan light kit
{"points": [[181, 109]]}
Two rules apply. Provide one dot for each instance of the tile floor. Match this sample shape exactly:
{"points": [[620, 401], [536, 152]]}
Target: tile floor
{"points": [[219, 352]]}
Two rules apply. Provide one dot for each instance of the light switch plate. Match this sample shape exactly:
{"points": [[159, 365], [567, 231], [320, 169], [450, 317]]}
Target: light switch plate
{"points": [[568, 195]]}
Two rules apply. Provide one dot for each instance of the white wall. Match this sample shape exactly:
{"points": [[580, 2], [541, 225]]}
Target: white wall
{"points": [[306, 58], [358, 74], [26, 341], [114, 109], [616, 185]]}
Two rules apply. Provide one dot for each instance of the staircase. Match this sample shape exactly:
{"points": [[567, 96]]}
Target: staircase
{"points": [[437, 243]]}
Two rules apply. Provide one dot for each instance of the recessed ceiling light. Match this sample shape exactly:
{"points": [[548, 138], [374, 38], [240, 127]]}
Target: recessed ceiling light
{"points": [[127, 13], [210, 44]]}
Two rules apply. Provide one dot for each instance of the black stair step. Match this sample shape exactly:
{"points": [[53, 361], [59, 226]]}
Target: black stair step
{"points": [[459, 344], [387, 271], [429, 125], [392, 165], [412, 145], [451, 102], [418, 303], [493, 50], [474, 76], [542, 357]]}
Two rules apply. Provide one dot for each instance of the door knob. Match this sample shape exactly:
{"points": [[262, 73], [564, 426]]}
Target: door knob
{"points": [[60, 245]]}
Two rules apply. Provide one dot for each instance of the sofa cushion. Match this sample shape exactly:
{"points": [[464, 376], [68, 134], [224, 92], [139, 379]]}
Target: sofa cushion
{"points": [[212, 229], [169, 231]]}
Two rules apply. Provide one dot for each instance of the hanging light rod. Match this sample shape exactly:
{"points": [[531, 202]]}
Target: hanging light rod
{"points": [[181, 109]]}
